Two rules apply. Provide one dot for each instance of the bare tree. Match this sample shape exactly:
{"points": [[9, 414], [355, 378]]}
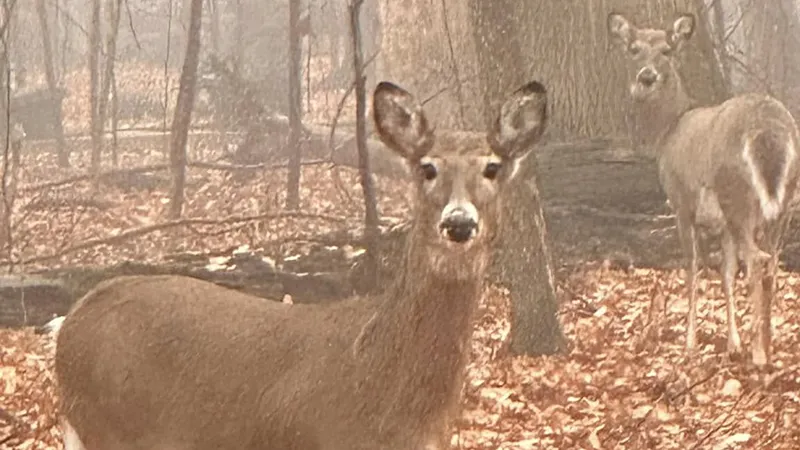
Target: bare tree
{"points": [[95, 49], [52, 84], [183, 109], [371, 230], [112, 11], [295, 106]]}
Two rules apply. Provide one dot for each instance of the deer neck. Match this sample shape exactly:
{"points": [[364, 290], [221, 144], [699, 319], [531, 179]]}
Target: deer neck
{"points": [[655, 118], [421, 332]]}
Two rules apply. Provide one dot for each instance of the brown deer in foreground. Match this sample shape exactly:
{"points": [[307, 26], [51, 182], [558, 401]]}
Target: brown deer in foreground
{"points": [[731, 168], [174, 363]]}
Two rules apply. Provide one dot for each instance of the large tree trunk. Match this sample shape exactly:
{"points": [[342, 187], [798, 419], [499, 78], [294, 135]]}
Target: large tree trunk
{"points": [[771, 32], [562, 43], [522, 259], [50, 75], [183, 109]]}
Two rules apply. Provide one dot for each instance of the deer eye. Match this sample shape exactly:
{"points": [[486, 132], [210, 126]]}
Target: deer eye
{"points": [[666, 51], [491, 170], [634, 50], [428, 171]]}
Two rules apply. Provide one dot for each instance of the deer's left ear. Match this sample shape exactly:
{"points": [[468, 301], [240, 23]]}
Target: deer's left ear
{"points": [[521, 122], [682, 30]]}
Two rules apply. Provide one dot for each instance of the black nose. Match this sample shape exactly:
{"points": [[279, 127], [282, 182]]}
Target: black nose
{"points": [[458, 228], [647, 76]]}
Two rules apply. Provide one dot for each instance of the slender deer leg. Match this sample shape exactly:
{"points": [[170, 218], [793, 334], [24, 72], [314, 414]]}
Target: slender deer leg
{"points": [[729, 267], [688, 237], [763, 294], [760, 280]]}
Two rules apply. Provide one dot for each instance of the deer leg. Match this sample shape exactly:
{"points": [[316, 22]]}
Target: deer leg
{"points": [[688, 237], [763, 292], [729, 268]]}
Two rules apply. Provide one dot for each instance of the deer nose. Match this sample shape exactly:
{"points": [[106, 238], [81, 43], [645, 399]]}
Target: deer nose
{"points": [[459, 226], [647, 76]]}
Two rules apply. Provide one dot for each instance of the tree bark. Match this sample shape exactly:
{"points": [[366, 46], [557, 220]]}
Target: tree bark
{"points": [[94, 86], [183, 109], [371, 230], [295, 107], [522, 261], [563, 43], [50, 75], [113, 8]]}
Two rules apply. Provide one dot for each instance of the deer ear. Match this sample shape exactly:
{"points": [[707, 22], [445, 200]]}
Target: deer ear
{"points": [[682, 29], [620, 30], [521, 122], [400, 121]]}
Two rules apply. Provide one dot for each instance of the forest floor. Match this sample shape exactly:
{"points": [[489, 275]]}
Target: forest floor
{"points": [[623, 384]]}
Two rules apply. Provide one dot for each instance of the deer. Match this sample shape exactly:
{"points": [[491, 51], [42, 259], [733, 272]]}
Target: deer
{"points": [[730, 169], [170, 362]]}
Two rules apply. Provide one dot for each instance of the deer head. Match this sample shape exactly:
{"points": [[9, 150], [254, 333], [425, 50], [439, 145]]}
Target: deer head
{"points": [[651, 54], [459, 177]]}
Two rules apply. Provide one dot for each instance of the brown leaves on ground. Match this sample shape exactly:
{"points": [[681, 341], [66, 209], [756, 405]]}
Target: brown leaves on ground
{"points": [[625, 383]]}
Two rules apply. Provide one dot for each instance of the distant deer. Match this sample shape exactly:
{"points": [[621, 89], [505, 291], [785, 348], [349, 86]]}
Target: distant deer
{"points": [[169, 362], [731, 168]]}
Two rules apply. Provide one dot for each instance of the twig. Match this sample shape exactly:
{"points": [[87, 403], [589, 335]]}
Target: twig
{"points": [[723, 423], [136, 232]]}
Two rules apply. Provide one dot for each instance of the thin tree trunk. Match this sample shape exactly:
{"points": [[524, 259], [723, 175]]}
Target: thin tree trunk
{"points": [[113, 8], [183, 110], [52, 85], [295, 107], [371, 230], [94, 87], [114, 121]]}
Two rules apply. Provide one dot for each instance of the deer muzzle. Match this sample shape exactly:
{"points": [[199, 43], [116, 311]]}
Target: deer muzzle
{"points": [[459, 223]]}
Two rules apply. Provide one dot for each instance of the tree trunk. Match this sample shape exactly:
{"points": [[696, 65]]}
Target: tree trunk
{"points": [[94, 87], [295, 107], [183, 109], [371, 230], [213, 9], [522, 261], [50, 75], [113, 8], [563, 43], [771, 31]]}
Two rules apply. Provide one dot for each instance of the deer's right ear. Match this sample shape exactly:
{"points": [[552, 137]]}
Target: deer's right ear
{"points": [[401, 122], [620, 31]]}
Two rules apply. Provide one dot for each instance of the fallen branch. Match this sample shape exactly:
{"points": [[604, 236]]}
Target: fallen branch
{"points": [[137, 232], [160, 168]]}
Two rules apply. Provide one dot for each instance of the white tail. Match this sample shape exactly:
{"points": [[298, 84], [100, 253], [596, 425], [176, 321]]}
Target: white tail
{"points": [[51, 327], [168, 362], [732, 168]]}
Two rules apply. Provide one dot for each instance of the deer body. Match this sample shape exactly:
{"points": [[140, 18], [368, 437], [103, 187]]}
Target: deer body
{"points": [[731, 168], [170, 362]]}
